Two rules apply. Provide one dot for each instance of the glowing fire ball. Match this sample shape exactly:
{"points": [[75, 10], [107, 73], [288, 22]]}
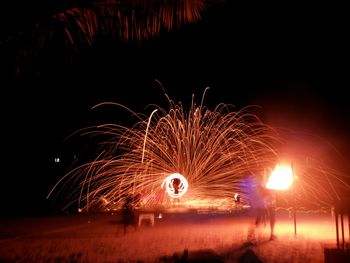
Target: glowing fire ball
{"points": [[176, 185], [281, 178]]}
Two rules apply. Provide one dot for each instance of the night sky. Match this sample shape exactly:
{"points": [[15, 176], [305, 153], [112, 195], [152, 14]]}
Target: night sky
{"points": [[291, 59]]}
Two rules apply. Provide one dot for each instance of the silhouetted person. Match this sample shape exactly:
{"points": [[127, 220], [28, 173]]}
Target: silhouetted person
{"points": [[270, 201], [128, 213], [264, 206], [257, 199], [176, 185], [260, 207]]}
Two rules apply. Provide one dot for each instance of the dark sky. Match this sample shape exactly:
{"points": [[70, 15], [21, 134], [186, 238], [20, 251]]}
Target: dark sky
{"points": [[290, 58]]}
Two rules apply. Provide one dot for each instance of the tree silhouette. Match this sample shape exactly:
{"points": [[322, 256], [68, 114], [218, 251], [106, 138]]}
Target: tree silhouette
{"points": [[79, 24]]}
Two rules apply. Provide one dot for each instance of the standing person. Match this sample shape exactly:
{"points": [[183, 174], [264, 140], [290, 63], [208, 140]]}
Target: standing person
{"points": [[265, 208], [128, 213], [263, 204], [176, 184], [258, 207], [270, 200]]}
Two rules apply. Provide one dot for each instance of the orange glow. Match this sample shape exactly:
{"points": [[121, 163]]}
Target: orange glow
{"points": [[281, 178], [214, 150], [169, 184]]}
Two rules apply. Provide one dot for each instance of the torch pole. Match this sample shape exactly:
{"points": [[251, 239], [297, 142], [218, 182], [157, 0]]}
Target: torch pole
{"points": [[295, 222], [294, 212]]}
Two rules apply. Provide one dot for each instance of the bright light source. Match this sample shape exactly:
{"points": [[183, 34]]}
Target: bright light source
{"points": [[57, 160], [281, 178], [178, 189], [237, 198]]}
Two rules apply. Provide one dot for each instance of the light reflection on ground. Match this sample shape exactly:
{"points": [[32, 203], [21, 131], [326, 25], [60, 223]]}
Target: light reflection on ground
{"points": [[100, 238]]}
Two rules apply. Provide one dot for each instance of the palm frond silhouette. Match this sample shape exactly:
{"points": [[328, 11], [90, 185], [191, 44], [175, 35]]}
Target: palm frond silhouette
{"points": [[81, 24]]}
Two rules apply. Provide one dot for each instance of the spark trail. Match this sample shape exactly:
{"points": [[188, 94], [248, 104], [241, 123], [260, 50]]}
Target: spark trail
{"points": [[215, 150]]}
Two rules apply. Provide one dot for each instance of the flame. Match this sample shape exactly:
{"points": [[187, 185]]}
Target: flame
{"points": [[281, 178], [168, 182]]}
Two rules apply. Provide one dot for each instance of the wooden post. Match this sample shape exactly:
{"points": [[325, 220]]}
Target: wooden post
{"points": [[342, 229], [336, 227], [349, 225], [295, 222]]}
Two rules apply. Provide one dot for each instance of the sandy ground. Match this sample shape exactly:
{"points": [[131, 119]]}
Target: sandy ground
{"points": [[215, 236]]}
